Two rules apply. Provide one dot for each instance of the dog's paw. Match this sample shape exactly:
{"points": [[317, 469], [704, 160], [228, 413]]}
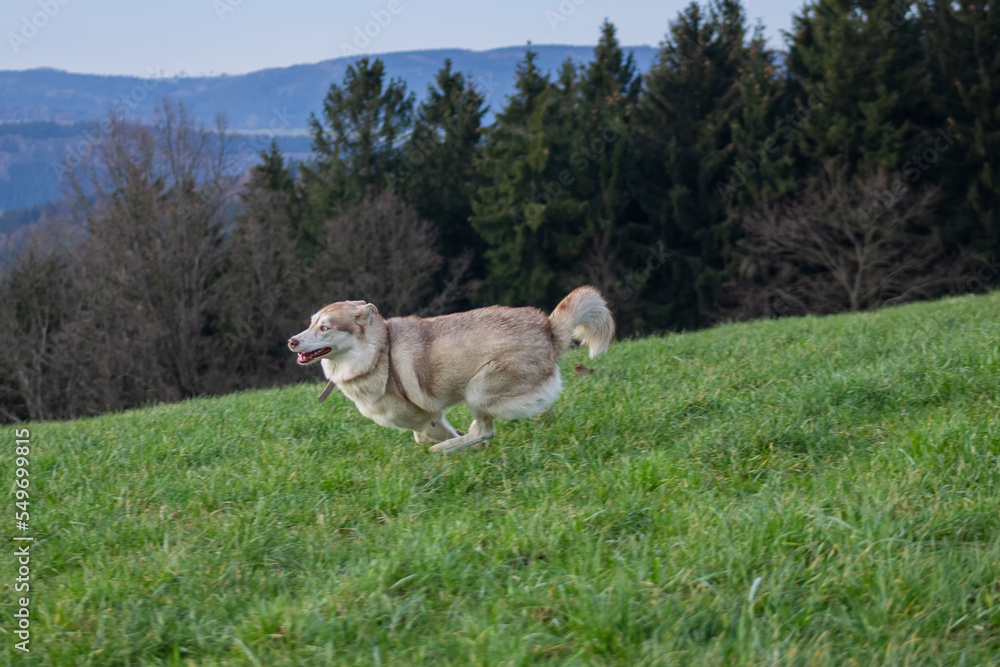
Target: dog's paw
{"points": [[449, 446]]}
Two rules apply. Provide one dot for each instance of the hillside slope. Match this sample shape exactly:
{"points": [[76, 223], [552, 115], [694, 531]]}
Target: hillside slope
{"points": [[798, 491]]}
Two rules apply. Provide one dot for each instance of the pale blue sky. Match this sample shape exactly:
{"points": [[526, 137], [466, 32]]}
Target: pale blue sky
{"points": [[236, 36]]}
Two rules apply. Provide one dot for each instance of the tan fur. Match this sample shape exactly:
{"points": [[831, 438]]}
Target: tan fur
{"points": [[404, 372]]}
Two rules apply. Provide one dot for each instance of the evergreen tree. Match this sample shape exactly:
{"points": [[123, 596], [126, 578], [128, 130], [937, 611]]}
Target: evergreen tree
{"points": [[857, 85], [519, 210], [438, 171], [356, 145], [272, 180], [559, 162], [964, 52], [605, 164], [686, 115], [263, 277], [761, 169]]}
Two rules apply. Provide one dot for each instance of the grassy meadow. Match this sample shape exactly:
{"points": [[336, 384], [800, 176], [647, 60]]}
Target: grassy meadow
{"points": [[803, 491]]}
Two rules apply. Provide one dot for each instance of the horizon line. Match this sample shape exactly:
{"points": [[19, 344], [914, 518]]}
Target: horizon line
{"points": [[218, 75]]}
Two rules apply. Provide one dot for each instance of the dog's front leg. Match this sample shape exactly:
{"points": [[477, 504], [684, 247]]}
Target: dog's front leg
{"points": [[480, 431], [436, 430]]}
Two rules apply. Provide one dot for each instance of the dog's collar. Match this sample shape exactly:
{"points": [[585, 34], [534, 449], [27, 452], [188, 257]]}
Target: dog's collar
{"points": [[378, 360]]}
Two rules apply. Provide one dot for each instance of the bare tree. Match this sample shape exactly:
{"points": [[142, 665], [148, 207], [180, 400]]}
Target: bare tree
{"points": [[148, 289], [151, 199], [844, 245], [381, 251], [40, 293], [264, 285]]}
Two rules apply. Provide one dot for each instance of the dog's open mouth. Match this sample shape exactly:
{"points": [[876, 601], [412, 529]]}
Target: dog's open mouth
{"points": [[306, 357]]}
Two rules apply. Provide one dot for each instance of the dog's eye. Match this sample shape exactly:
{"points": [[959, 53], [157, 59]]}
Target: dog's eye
{"points": [[324, 328]]}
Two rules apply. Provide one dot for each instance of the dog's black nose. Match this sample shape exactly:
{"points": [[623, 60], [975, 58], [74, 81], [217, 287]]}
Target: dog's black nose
{"points": [[293, 342]]}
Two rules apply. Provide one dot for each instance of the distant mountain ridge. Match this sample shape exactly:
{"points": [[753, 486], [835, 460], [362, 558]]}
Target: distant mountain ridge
{"points": [[45, 112], [251, 101]]}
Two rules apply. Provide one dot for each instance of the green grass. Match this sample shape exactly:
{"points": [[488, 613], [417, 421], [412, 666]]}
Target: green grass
{"points": [[801, 491]]}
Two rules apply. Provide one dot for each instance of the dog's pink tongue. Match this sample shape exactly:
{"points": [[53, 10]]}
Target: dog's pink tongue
{"points": [[302, 356]]}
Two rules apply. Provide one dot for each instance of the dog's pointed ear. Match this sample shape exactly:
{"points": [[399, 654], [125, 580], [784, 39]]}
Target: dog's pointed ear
{"points": [[365, 312]]}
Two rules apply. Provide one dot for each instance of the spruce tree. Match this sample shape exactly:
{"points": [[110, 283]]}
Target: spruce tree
{"points": [[273, 178], [605, 165], [686, 115], [964, 53], [356, 144], [437, 173], [857, 68], [558, 165], [761, 169], [263, 275], [519, 210]]}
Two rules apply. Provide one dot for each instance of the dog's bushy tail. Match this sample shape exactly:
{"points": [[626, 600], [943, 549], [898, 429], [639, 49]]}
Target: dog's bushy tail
{"points": [[583, 315]]}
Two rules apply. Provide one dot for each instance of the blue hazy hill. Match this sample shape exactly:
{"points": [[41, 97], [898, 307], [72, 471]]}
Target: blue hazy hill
{"points": [[45, 112], [251, 100]]}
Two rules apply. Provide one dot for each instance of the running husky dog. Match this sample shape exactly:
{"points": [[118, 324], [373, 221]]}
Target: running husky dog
{"points": [[404, 372]]}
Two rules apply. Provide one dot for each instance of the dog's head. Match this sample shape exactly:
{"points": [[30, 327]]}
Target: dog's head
{"points": [[333, 331]]}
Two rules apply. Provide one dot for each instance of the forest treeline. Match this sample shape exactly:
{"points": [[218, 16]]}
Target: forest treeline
{"points": [[858, 168]]}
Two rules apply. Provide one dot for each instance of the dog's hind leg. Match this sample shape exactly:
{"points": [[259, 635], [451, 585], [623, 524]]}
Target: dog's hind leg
{"points": [[503, 391], [480, 431]]}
